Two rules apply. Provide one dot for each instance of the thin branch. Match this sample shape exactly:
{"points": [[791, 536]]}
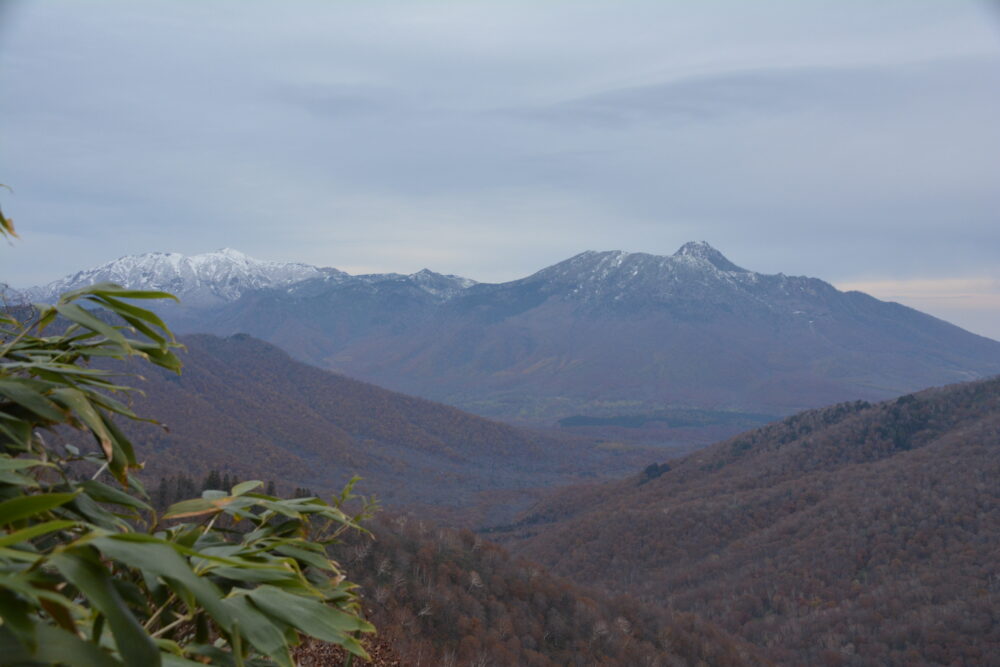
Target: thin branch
{"points": [[156, 614], [170, 626]]}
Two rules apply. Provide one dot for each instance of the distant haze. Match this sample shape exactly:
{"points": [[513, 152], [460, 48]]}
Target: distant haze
{"points": [[853, 141]]}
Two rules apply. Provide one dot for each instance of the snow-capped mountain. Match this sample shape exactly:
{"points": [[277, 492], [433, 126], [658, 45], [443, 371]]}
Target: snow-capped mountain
{"points": [[696, 278], [205, 279], [618, 275], [226, 275], [619, 272], [614, 328], [599, 329]]}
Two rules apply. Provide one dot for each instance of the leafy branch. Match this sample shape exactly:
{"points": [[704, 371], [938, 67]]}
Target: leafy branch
{"points": [[80, 582]]}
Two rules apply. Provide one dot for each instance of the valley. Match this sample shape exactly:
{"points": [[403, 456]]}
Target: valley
{"points": [[245, 408]]}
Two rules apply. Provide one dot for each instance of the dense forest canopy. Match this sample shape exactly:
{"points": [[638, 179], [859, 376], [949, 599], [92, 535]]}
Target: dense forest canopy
{"points": [[857, 534]]}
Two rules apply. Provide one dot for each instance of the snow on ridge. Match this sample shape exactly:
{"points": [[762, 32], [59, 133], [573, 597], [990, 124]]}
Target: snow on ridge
{"points": [[225, 275], [636, 277], [440, 285], [222, 275], [596, 266]]}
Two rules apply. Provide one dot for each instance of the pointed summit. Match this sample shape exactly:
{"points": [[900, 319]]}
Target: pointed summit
{"points": [[703, 251]]}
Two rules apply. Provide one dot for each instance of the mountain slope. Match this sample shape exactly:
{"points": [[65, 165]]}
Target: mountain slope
{"points": [[441, 597], [243, 406], [615, 333], [857, 534]]}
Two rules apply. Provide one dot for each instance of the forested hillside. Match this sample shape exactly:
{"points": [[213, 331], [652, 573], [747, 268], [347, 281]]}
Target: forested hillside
{"points": [[858, 534], [245, 408], [440, 596], [447, 598]]}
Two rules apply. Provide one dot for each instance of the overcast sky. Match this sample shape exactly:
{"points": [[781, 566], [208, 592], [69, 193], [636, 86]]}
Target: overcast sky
{"points": [[851, 140]]}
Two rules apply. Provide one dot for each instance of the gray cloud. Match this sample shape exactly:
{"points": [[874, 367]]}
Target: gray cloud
{"points": [[853, 141]]}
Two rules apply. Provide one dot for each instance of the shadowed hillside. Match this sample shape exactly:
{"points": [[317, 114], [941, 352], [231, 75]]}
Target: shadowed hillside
{"points": [[244, 407]]}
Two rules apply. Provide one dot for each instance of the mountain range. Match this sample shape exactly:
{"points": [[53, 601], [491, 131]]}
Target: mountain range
{"points": [[602, 334], [213, 278]]}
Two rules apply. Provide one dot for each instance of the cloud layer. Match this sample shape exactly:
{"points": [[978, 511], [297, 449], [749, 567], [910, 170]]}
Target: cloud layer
{"points": [[847, 140]]}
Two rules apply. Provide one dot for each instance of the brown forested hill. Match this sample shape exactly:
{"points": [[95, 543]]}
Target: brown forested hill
{"points": [[438, 597], [445, 598], [244, 407], [858, 534]]}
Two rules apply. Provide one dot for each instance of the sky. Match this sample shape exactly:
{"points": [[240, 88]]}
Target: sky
{"points": [[850, 140]]}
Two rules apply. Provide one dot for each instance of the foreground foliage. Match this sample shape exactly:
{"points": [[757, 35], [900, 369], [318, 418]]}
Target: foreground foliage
{"points": [[90, 574]]}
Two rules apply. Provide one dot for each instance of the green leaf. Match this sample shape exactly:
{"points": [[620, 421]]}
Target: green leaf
{"points": [[17, 479], [301, 552], [94, 582], [57, 646], [21, 584], [103, 493], [123, 446], [19, 508], [16, 615], [77, 401], [260, 630], [17, 431], [32, 532], [9, 467], [88, 508], [138, 486], [162, 559], [257, 575], [246, 487], [171, 660], [85, 318], [196, 507], [158, 355], [307, 614], [117, 291], [20, 392], [18, 555], [11, 648], [134, 315]]}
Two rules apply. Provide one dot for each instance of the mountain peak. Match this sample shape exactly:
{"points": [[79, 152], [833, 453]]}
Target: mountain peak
{"points": [[702, 250], [229, 252], [438, 284]]}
